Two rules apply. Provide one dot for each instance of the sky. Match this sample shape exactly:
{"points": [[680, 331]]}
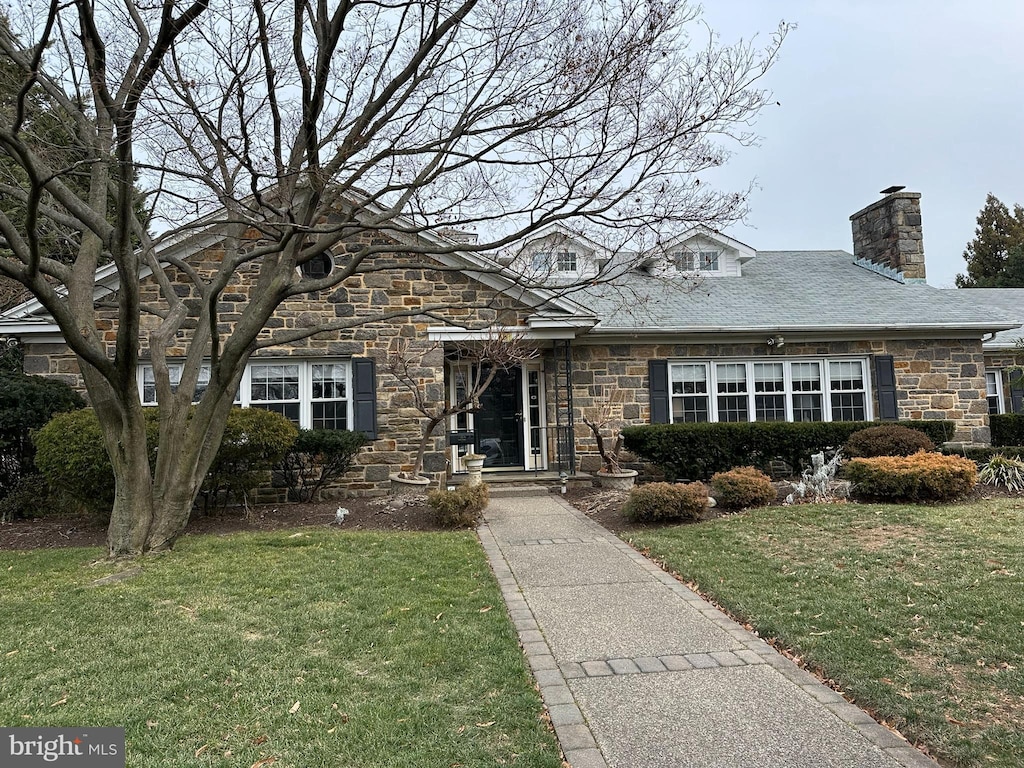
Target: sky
{"points": [[924, 93]]}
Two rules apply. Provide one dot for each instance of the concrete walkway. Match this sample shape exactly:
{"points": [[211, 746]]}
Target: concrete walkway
{"points": [[638, 671]]}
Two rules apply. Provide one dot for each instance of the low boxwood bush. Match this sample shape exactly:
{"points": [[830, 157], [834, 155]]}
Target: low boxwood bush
{"points": [[742, 487], [665, 502], [460, 508], [1007, 429], [887, 440], [921, 477], [697, 451], [317, 458], [1004, 471], [26, 404]]}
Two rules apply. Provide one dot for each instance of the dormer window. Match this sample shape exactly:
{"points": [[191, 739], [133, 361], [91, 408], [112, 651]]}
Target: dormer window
{"points": [[696, 261], [541, 261], [565, 261]]}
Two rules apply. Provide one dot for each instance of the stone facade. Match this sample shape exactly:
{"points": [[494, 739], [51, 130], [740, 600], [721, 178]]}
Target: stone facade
{"points": [[935, 379], [888, 233], [390, 286]]}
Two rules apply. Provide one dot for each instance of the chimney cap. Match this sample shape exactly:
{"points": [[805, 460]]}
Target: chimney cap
{"points": [[892, 189]]}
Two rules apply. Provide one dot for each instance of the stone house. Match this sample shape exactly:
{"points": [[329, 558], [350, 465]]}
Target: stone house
{"points": [[704, 329]]}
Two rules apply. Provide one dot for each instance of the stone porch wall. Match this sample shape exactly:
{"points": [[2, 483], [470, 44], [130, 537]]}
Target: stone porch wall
{"points": [[935, 379]]}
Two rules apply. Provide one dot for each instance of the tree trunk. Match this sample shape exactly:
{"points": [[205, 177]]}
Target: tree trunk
{"points": [[132, 514]]}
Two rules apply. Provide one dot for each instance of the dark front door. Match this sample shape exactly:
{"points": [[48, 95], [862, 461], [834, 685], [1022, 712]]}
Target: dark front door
{"points": [[499, 422]]}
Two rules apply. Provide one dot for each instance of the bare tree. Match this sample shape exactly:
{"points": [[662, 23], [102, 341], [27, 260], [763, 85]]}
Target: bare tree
{"points": [[290, 128], [607, 415], [478, 363]]}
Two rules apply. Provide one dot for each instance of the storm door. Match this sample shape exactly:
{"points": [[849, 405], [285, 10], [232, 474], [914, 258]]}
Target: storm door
{"points": [[499, 421]]}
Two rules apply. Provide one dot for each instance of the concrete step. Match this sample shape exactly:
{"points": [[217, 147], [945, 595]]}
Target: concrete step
{"points": [[505, 491]]}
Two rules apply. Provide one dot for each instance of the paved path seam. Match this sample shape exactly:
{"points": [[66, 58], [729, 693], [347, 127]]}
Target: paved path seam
{"points": [[575, 736]]}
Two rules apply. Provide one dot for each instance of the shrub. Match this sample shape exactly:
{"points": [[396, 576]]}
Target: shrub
{"points": [[317, 458], [742, 487], [660, 502], [1007, 429], [460, 508], [26, 404], [981, 454], [1003, 471], [921, 477], [255, 440], [71, 455], [697, 451], [887, 440], [29, 498]]}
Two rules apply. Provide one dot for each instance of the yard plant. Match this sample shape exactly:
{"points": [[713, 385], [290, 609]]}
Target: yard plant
{"points": [[913, 611], [308, 648]]}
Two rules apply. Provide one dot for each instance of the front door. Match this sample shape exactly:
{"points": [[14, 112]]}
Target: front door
{"points": [[499, 421]]}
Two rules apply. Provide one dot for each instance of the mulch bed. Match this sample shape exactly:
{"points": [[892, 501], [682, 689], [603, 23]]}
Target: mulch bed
{"points": [[364, 514]]}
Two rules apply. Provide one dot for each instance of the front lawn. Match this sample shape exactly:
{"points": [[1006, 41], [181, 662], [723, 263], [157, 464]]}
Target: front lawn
{"points": [[916, 612], [292, 649]]}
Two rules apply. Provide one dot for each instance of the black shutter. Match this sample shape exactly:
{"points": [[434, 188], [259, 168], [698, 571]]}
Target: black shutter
{"points": [[657, 371], [364, 396], [885, 387], [1016, 392]]}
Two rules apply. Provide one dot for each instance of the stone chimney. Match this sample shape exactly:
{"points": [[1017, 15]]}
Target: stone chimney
{"points": [[887, 236]]}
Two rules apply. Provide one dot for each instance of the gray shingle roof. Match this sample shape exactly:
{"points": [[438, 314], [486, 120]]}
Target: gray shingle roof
{"points": [[788, 290], [1010, 301]]}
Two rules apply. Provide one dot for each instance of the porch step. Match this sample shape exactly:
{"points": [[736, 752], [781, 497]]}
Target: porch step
{"points": [[505, 490]]}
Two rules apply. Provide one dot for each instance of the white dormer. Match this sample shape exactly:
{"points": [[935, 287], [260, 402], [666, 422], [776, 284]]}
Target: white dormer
{"points": [[556, 255], [703, 252]]}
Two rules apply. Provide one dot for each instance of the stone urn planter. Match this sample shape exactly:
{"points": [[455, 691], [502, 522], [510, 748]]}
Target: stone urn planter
{"points": [[411, 484], [616, 481], [474, 466]]}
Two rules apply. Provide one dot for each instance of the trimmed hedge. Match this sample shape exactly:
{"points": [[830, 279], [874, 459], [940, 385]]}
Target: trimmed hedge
{"points": [[921, 477], [317, 458], [697, 451], [1007, 428], [982, 454], [886, 440]]}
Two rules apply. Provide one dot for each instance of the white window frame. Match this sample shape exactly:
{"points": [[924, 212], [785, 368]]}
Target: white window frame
{"points": [[997, 382], [700, 260], [711, 371], [709, 260], [570, 257], [305, 365]]}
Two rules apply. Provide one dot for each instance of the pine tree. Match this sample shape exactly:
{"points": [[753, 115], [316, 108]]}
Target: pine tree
{"points": [[988, 256]]}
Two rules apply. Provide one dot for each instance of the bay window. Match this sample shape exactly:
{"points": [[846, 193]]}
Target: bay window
{"points": [[776, 390]]}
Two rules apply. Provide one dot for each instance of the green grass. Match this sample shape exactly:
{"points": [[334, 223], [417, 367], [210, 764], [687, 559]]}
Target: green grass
{"points": [[396, 647], [916, 612]]}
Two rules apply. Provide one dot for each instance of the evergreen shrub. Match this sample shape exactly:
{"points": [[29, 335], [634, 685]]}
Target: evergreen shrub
{"points": [[665, 502], [742, 487], [921, 477], [697, 451], [461, 508], [887, 440]]}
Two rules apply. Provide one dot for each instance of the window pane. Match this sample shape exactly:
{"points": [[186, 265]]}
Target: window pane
{"points": [[732, 408], [846, 376], [274, 382], [732, 377], [732, 388], [566, 261], [709, 260], [807, 407], [684, 261], [289, 410], [806, 377], [848, 406], [689, 409], [331, 415], [329, 382], [541, 261], [770, 407], [992, 392], [689, 379], [768, 377]]}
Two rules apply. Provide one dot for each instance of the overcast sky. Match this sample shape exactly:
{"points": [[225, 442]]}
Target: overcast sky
{"points": [[924, 93]]}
